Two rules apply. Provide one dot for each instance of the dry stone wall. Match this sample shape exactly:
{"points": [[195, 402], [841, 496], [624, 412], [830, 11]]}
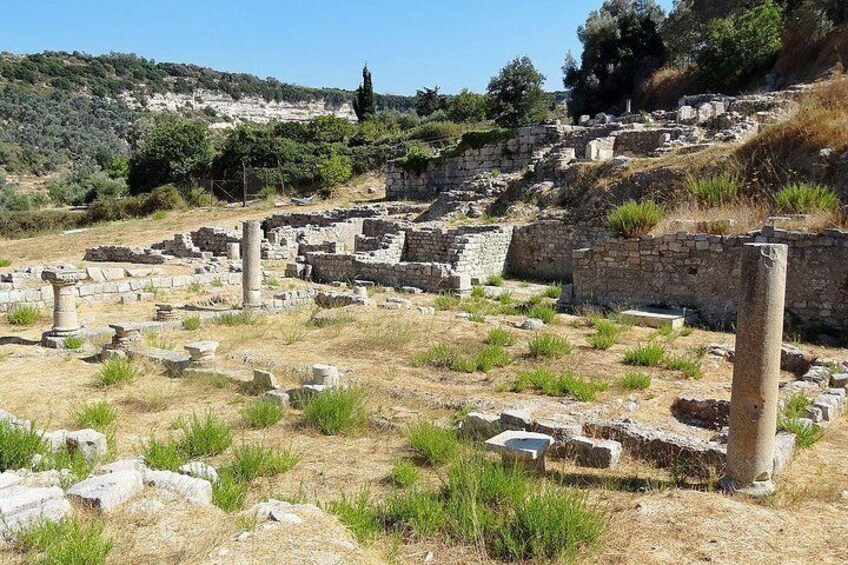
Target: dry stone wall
{"points": [[542, 250], [702, 271]]}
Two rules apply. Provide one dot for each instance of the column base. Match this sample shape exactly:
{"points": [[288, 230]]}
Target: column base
{"points": [[756, 489], [56, 339]]}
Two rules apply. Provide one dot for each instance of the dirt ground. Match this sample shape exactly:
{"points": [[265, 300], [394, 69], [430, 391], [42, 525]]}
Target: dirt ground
{"points": [[651, 519]]}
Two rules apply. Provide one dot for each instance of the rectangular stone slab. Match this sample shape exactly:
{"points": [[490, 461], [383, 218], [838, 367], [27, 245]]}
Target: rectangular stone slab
{"points": [[657, 317], [525, 445]]}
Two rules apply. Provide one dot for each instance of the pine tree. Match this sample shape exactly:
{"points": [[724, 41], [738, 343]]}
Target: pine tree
{"points": [[363, 105]]}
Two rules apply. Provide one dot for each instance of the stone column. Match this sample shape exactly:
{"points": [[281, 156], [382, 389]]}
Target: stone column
{"points": [[756, 370], [64, 283], [233, 250], [251, 265]]}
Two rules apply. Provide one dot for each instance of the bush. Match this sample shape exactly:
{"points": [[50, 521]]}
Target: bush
{"points": [[252, 461], [66, 542], [23, 315], [262, 413], [357, 515], [549, 345], [543, 312], [633, 219], [551, 524], [601, 341], [117, 370], [645, 355], [208, 436], [714, 191], [467, 106], [433, 444], [500, 337], [606, 332], [437, 132], [191, 323], [404, 474], [97, 415], [337, 411], [334, 170], [691, 368], [804, 198], [635, 381], [164, 455], [229, 494], [515, 96], [73, 342], [18, 446]]}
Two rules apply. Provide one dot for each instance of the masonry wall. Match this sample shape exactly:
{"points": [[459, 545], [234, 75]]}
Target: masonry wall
{"points": [[480, 252], [542, 250], [702, 271], [432, 277], [450, 173]]}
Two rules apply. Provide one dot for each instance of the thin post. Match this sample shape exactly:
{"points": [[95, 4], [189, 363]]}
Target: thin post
{"points": [[243, 185], [756, 370]]}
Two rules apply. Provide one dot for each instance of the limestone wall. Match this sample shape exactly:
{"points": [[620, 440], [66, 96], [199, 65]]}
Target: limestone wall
{"points": [[542, 250], [480, 252], [432, 277], [702, 272], [214, 239], [449, 173]]}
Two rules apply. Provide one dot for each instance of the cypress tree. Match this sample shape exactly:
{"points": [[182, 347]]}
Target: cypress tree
{"points": [[363, 105]]}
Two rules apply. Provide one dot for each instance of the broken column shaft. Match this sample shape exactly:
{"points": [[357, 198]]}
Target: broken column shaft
{"points": [[756, 370], [251, 265], [64, 282]]}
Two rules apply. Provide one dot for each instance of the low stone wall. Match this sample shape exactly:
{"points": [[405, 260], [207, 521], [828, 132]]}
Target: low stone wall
{"points": [[542, 250], [480, 252], [432, 277], [124, 254], [42, 297], [429, 244], [449, 173], [214, 240], [702, 272]]}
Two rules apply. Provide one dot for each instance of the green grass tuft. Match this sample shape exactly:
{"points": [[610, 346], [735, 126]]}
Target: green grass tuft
{"points": [[551, 384], [549, 345], [404, 474], [207, 436], [544, 312], [645, 355], [96, 415], [18, 446], [337, 411], [805, 198], [191, 323], [553, 291], [478, 292], [117, 370], [714, 191], [262, 413], [690, 367], [357, 515], [635, 381], [500, 337], [495, 280], [492, 356], [633, 219], [414, 511], [5, 262], [433, 444], [66, 542], [229, 494], [164, 455], [242, 318], [252, 461], [23, 315]]}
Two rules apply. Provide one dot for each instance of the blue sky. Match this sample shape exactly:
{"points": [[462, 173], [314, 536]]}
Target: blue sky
{"points": [[408, 44]]}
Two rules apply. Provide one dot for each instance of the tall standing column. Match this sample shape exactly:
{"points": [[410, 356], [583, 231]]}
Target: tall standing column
{"points": [[756, 370], [251, 265], [64, 282]]}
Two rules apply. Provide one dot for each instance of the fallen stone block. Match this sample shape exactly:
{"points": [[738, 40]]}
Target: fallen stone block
{"points": [[559, 430], [588, 452], [480, 425], [91, 443], [197, 491], [658, 317], [326, 375], [839, 380], [107, 492], [702, 412], [264, 380], [277, 396], [22, 507], [199, 470], [9, 479], [527, 448], [531, 324], [129, 464], [784, 451], [516, 420]]}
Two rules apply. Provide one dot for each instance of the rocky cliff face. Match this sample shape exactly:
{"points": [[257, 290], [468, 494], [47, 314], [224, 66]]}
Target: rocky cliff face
{"points": [[228, 112]]}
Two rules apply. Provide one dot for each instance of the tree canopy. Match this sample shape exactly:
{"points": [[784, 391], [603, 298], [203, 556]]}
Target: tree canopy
{"points": [[515, 95]]}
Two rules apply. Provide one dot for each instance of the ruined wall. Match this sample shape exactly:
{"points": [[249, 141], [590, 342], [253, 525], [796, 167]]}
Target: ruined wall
{"points": [[480, 252], [432, 277], [449, 173], [214, 239], [702, 272], [542, 250], [428, 244]]}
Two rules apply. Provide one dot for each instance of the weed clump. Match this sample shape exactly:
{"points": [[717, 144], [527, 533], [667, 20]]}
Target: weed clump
{"points": [[549, 345], [645, 355], [337, 411], [23, 315], [633, 219], [433, 444], [117, 370]]}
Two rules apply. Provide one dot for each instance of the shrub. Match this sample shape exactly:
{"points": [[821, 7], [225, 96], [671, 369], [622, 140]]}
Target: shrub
{"points": [[433, 444], [252, 461], [549, 345], [73, 342], [164, 455], [714, 191], [635, 381], [543, 312], [117, 370], [415, 511], [552, 524], [228, 494], [404, 474], [495, 280], [500, 337], [691, 368], [66, 542], [357, 515], [645, 355], [633, 219], [191, 323], [23, 315], [262, 413], [492, 356], [337, 411], [208, 436], [334, 170], [97, 415], [18, 446], [804, 198], [606, 332]]}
